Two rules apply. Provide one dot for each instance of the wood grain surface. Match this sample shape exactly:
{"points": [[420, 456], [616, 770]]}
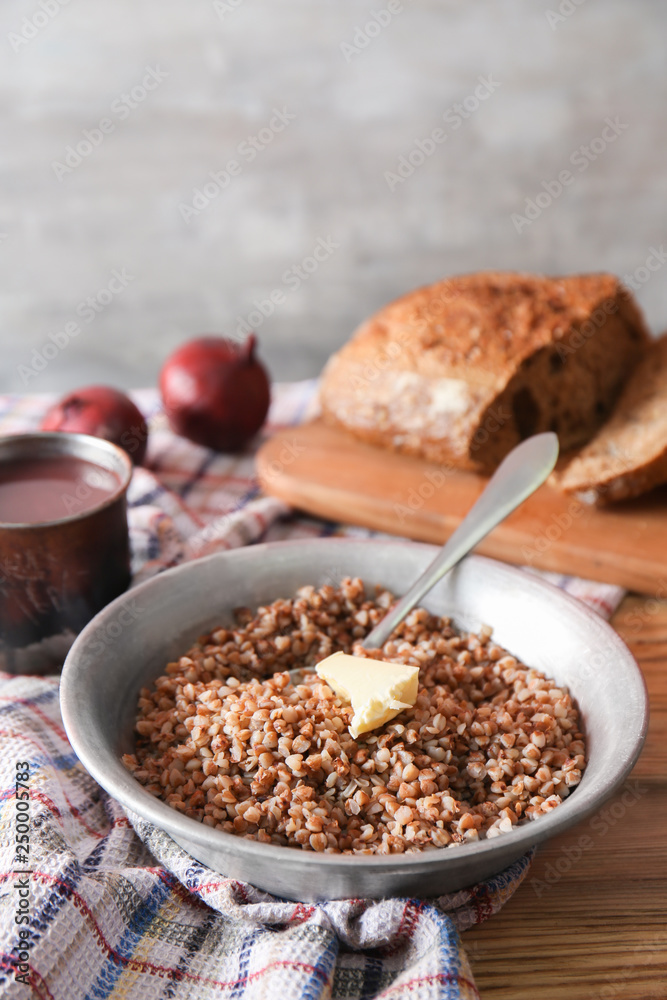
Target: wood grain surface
{"points": [[590, 921], [328, 473]]}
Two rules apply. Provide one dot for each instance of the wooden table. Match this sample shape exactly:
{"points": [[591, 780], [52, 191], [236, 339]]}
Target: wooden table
{"points": [[590, 920]]}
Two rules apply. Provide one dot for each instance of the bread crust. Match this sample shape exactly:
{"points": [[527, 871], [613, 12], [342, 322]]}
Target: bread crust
{"points": [[628, 456], [444, 372]]}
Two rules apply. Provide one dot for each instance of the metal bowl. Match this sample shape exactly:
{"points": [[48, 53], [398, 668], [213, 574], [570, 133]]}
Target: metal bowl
{"points": [[128, 644]]}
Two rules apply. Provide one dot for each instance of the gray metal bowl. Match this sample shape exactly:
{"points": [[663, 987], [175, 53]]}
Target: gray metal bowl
{"points": [[128, 644]]}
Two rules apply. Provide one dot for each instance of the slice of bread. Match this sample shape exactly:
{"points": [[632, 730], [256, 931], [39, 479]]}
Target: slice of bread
{"points": [[628, 456], [460, 371]]}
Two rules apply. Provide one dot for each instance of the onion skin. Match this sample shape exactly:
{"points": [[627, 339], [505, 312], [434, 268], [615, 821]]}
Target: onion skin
{"points": [[215, 392], [103, 412]]}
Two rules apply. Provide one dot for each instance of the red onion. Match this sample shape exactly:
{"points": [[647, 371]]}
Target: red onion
{"points": [[104, 413], [215, 392]]}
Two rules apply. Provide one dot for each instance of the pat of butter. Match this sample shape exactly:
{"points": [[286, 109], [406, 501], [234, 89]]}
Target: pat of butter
{"points": [[376, 689]]}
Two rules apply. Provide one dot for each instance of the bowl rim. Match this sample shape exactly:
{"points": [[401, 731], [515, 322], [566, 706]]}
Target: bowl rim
{"points": [[126, 790]]}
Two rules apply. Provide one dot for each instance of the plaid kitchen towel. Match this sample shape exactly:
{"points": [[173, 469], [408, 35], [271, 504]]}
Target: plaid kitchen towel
{"points": [[94, 904], [111, 915]]}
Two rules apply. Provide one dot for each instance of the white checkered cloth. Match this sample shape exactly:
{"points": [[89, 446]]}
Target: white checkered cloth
{"points": [[120, 915]]}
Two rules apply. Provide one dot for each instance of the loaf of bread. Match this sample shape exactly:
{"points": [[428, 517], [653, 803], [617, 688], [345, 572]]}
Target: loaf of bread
{"points": [[460, 371], [628, 456]]}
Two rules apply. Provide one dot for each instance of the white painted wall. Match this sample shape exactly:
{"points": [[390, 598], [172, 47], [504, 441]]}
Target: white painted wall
{"points": [[356, 110]]}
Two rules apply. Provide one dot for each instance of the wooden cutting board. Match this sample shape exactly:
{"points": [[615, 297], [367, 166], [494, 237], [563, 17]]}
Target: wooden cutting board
{"points": [[328, 473]]}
